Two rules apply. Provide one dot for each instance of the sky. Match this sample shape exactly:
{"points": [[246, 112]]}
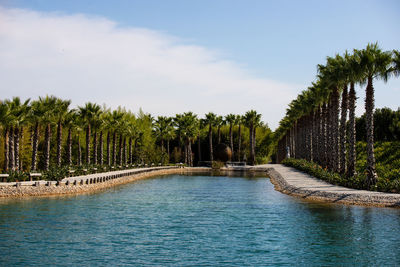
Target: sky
{"points": [[169, 57]]}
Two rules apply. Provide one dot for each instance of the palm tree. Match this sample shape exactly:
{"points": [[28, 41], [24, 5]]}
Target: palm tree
{"points": [[252, 119], [219, 122], [19, 112], [187, 124], [70, 121], [162, 129], [239, 121], [331, 75], [231, 119], [89, 113], [374, 64], [36, 114], [5, 122], [200, 127], [210, 119], [353, 72], [131, 130], [395, 69], [47, 105], [61, 109]]}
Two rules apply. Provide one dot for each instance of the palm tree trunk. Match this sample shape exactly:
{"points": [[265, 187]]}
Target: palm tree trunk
{"points": [[185, 152], [125, 153], [114, 154], [130, 150], [69, 147], [35, 142], [335, 129], [253, 151], [79, 152], [239, 142], [219, 134], [210, 142], [251, 143], [21, 135], [231, 139], [372, 177], [324, 129], [199, 146], [101, 153], [190, 153], [11, 151], [88, 144], [16, 148], [120, 150], [343, 119], [59, 138], [351, 163], [108, 149], [168, 149], [6, 149], [47, 137], [95, 148]]}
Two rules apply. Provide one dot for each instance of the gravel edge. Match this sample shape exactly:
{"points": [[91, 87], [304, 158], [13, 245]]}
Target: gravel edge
{"points": [[283, 186]]}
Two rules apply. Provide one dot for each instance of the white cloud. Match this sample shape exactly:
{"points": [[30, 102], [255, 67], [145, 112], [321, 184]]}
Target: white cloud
{"points": [[85, 58]]}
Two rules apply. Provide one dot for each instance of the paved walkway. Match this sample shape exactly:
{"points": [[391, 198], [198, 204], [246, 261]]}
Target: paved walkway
{"points": [[293, 182]]}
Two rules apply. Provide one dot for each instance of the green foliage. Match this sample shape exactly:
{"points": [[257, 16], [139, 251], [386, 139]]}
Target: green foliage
{"points": [[216, 165], [386, 125], [55, 173], [17, 176]]}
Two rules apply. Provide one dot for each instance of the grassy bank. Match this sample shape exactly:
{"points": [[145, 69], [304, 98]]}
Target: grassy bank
{"points": [[387, 166]]}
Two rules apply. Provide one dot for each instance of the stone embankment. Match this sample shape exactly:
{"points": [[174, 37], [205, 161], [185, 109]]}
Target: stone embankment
{"points": [[295, 183], [82, 184]]}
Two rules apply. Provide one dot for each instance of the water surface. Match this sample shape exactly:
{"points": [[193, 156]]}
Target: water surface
{"points": [[198, 220]]}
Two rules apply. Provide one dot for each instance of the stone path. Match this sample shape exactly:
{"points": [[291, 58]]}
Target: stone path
{"points": [[293, 182]]}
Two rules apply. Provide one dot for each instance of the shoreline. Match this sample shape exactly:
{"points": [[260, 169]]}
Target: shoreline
{"points": [[68, 189], [309, 188], [285, 180]]}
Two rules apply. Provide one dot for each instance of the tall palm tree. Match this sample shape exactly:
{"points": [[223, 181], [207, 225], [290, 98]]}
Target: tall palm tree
{"points": [[239, 122], [70, 120], [36, 114], [169, 134], [61, 109], [252, 120], [187, 124], [5, 122], [353, 76], [19, 112], [200, 127], [374, 64], [162, 128], [210, 120], [89, 112], [231, 119], [395, 69], [47, 105], [96, 125], [219, 122], [332, 76]]}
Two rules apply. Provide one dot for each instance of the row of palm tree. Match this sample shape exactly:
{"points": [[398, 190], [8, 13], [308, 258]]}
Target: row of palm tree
{"points": [[44, 115], [52, 133], [187, 127], [319, 124]]}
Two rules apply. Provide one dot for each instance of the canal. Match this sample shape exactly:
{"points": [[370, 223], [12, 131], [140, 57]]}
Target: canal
{"points": [[195, 220]]}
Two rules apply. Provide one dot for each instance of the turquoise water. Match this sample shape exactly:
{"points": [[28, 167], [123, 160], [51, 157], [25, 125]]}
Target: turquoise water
{"points": [[195, 221]]}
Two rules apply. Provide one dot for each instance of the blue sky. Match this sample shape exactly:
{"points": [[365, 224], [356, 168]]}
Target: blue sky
{"points": [[276, 41]]}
